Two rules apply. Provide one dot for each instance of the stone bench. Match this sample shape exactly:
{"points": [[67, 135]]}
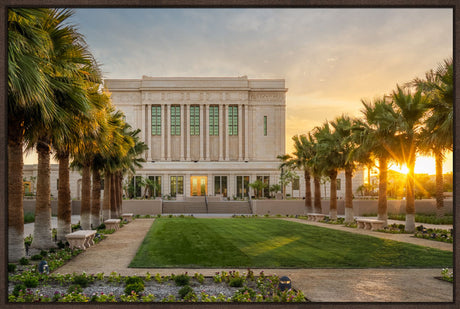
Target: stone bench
{"points": [[127, 217], [370, 224], [81, 239], [112, 224], [315, 216]]}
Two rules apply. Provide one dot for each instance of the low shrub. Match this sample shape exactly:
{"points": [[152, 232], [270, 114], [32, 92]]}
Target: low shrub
{"points": [[133, 280], [17, 288], [236, 282], [36, 257], [30, 282], [11, 267], [43, 253], [182, 280], [137, 287], [24, 261], [29, 217], [184, 291], [75, 289], [82, 280]]}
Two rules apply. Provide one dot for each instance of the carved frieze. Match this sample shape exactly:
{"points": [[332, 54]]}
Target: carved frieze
{"points": [[121, 97], [267, 96]]}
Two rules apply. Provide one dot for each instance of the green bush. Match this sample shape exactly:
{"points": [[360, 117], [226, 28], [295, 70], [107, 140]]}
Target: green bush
{"points": [[137, 287], [29, 217], [236, 282], [17, 288], [184, 291], [11, 267], [82, 280], [182, 280], [75, 288], [24, 261], [43, 253], [30, 282], [133, 280], [36, 257]]}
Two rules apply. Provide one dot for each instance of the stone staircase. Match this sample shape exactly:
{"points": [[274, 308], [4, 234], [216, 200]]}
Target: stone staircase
{"points": [[197, 205]]}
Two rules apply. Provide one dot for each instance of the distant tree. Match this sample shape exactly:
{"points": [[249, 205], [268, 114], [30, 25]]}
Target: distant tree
{"points": [[258, 186]]}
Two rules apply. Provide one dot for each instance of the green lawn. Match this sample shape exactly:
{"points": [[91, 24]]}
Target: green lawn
{"points": [[272, 243]]}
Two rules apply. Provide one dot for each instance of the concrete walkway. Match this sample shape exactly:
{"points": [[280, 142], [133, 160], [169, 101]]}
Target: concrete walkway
{"points": [[319, 285]]}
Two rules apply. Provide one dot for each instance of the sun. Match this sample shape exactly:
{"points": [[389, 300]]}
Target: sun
{"points": [[403, 170]]}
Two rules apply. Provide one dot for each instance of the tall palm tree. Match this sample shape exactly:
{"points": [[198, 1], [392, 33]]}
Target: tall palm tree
{"points": [[301, 157], [344, 129], [437, 135], [67, 73], [285, 165], [315, 168], [328, 161], [376, 135], [411, 109], [28, 87]]}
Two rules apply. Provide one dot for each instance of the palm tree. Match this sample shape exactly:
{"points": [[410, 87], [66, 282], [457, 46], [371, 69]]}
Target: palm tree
{"points": [[328, 161], [376, 135], [411, 109], [315, 169], [437, 136], [302, 155], [28, 87], [284, 166], [67, 75], [344, 129]]}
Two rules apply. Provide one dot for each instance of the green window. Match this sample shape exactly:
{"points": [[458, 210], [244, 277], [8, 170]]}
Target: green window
{"points": [[220, 185], [242, 186], [214, 120], [156, 120], [175, 120], [265, 180], [265, 125], [194, 120], [233, 120], [339, 183]]}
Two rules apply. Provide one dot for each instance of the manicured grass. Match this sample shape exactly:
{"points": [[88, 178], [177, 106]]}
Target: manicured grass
{"points": [[260, 242]]}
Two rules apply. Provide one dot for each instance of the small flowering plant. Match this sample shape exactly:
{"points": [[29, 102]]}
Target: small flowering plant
{"points": [[447, 275]]}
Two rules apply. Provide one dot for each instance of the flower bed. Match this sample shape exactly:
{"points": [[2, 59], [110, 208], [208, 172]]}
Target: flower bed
{"points": [[435, 234], [224, 286]]}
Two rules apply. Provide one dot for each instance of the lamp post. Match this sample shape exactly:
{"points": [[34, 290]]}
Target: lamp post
{"points": [[285, 283]]}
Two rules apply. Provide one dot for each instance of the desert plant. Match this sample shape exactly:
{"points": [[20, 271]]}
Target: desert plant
{"points": [[184, 291], [182, 280]]}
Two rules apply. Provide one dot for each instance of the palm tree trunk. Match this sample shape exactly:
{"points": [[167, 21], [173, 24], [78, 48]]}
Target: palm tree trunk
{"points": [[349, 218], [85, 213], [64, 199], [308, 206], [333, 199], [15, 192], [42, 227], [410, 196], [106, 202], [113, 202], [439, 186], [96, 199], [317, 183], [383, 181], [120, 191]]}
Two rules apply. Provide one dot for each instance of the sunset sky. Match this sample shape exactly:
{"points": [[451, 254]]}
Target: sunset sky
{"points": [[330, 58]]}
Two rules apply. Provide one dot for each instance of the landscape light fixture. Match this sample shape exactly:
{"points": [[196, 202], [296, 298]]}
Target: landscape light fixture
{"points": [[285, 283]]}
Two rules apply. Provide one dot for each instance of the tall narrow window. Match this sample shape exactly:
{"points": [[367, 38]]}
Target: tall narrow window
{"points": [[233, 120], [214, 120], [265, 180], [194, 120], [177, 185], [156, 120], [175, 120], [242, 186], [220, 185], [265, 125], [339, 183], [154, 186]]}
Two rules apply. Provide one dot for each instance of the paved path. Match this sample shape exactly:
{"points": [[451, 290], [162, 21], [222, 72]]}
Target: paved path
{"points": [[409, 238], [319, 285]]}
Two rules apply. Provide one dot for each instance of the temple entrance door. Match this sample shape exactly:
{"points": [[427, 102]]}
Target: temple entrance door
{"points": [[198, 185]]}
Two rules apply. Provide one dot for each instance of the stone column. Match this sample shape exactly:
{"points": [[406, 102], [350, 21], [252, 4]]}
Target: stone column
{"points": [[149, 132], [221, 133], [163, 133], [240, 133], [142, 126], [168, 132], [201, 131], [182, 132], [206, 130], [246, 132], [226, 132], [187, 133]]}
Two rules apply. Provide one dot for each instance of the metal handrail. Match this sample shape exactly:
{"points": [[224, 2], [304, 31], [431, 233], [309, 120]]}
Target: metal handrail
{"points": [[206, 202]]}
